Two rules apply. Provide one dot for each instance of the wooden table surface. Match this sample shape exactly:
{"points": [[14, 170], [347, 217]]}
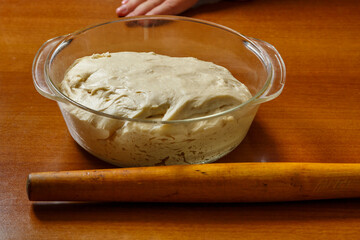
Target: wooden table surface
{"points": [[316, 119]]}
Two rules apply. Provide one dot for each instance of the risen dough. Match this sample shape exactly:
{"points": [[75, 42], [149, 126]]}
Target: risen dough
{"points": [[151, 86]]}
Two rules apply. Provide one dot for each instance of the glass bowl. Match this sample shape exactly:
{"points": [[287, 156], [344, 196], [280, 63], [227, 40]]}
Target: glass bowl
{"points": [[127, 142]]}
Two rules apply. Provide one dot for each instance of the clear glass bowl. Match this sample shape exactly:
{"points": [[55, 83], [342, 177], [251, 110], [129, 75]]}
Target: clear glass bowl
{"points": [[144, 142]]}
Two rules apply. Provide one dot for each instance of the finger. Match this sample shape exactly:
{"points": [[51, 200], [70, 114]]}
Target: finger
{"points": [[145, 7], [169, 7], [128, 7]]}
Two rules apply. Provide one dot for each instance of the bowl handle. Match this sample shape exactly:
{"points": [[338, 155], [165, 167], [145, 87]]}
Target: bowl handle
{"points": [[38, 69], [278, 71]]}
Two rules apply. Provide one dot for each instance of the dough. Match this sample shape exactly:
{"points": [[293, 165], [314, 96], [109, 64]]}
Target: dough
{"points": [[156, 87]]}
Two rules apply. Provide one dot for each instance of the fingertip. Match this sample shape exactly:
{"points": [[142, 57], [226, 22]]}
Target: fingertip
{"points": [[122, 10], [118, 11]]}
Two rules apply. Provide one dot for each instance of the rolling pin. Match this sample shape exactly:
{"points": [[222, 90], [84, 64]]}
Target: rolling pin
{"points": [[217, 182]]}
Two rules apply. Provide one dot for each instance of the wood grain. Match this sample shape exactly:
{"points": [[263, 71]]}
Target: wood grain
{"points": [[316, 119], [216, 183]]}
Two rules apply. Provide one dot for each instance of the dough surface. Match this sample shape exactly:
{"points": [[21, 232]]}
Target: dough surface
{"points": [[152, 86], [147, 85]]}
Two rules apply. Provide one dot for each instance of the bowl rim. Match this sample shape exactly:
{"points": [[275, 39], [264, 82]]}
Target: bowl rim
{"points": [[68, 38]]}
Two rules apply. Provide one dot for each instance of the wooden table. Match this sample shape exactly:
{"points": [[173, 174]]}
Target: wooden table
{"points": [[316, 119]]}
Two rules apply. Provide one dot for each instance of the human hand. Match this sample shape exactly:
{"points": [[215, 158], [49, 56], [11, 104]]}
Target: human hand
{"points": [[153, 7]]}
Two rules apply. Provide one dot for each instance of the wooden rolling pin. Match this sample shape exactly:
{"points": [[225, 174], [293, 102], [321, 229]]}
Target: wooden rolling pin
{"points": [[228, 182]]}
